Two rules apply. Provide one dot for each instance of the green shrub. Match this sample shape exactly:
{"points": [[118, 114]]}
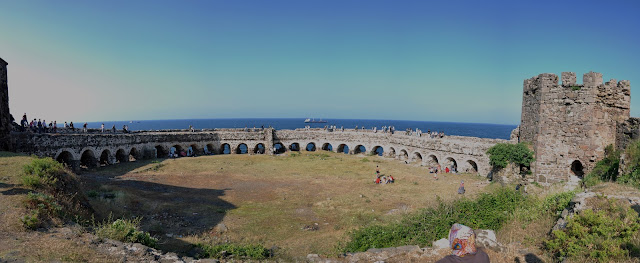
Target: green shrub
{"points": [[364, 160], [126, 230], [92, 194], [257, 252], [574, 88], [604, 235], [605, 169], [42, 172], [488, 211], [502, 154]]}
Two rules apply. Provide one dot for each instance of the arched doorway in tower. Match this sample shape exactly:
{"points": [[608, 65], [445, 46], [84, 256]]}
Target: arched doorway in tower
{"points": [[242, 149], [161, 152], [259, 149], [294, 147], [104, 158], [343, 148], [417, 157], [279, 148], [577, 169], [378, 150], [311, 147], [327, 147], [122, 156], [359, 149], [225, 148], [65, 158], [88, 159]]}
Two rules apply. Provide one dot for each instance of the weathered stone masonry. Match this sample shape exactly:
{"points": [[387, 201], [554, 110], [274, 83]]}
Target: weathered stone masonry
{"points": [[5, 119], [467, 153], [569, 124]]}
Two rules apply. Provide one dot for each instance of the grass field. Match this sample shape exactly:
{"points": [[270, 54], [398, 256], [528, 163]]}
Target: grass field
{"points": [[300, 203]]}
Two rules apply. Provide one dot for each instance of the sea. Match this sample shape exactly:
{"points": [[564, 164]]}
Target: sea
{"points": [[482, 130]]}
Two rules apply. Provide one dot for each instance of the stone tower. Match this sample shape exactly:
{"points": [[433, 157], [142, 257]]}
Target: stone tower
{"points": [[569, 125], [5, 119]]}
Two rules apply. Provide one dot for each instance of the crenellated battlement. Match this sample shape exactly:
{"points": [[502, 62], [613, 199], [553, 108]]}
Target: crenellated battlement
{"points": [[569, 124]]}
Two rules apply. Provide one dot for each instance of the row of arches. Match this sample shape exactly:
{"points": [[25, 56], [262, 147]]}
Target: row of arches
{"points": [[88, 158]]}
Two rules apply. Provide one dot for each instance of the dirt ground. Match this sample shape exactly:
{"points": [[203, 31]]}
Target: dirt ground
{"points": [[299, 204]]}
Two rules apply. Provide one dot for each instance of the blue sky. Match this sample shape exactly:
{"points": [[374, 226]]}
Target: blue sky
{"points": [[461, 61]]}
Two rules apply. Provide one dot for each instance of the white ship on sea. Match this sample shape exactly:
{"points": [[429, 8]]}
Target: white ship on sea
{"points": [[314, 121]]}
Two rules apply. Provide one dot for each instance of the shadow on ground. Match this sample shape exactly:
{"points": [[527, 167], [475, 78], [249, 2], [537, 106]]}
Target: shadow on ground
{"points": [[168, 212]]}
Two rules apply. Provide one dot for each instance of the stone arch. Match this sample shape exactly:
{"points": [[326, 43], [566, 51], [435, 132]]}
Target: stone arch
{"points": [[377, 150], [279, 148], [451, 163], [122, 156], [327, 147], [209, 149], [432, 160], [577, 169], [416, 157], [242, 149], [105, 157], [225, 148], [161, 152], [392, 152], [311, 147], [343, 148], [66, 158], [472, 167], [179, 149], [197, 150], [88, 159], [404, 155], [259, 149], [359, 149], [294, 147], [134, 154]]}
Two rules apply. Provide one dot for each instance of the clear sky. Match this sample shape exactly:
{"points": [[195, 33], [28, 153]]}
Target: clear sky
{"points": [[461, 61]]}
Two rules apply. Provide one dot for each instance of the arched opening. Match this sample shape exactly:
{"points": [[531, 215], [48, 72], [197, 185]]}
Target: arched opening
{"points": [[65, 158], [209, 149], [311, 147], [161, 152], [88, 159], [242, 149], [177, 151], [451, 164], [343, 148], [404, 155], [196, 150], [473, 167], [392, 152], [259, 149], [104, 158], [225, 148], [417, 157], [577, 169], [432, 160], [133, 155], [378, 150], [359, 149], [121, 156], [279, 148], [327, 147], [294, 147]]}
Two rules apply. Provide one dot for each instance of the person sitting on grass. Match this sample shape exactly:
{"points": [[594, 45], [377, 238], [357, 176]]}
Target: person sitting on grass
{"points": [[462, 240], [390, 179]]}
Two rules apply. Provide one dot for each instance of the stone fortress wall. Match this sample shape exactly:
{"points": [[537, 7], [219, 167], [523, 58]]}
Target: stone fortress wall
{"points": [[569, 124], [92, 149], [5, 119]]}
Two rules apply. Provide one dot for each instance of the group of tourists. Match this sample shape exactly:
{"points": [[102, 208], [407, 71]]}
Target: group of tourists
{"points": [[38, 125], [383, 179], [174, 153]]}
